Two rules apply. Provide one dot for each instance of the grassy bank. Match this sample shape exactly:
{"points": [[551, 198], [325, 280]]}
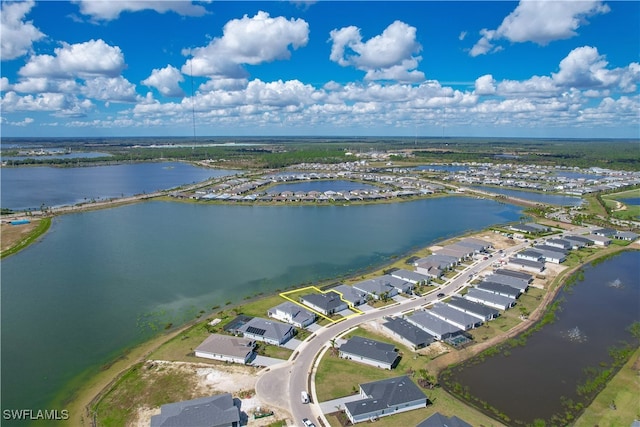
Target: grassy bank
{"points": [[41, 227]]}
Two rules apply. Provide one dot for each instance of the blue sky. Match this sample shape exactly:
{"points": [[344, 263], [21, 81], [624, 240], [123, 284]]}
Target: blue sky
{"points": [[555, 68]]}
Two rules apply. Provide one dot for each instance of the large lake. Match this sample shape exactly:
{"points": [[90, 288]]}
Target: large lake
{"points": [[552, 199], [30, 187], [594, 316], [102, 281]]}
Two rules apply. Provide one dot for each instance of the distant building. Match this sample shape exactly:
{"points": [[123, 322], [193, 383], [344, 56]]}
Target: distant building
{"points": [[599, 240], [214, 411], [578, 241], [530, 255], [525, 264], [385, 397], [370, 352], [626, 235], [226, 348]]}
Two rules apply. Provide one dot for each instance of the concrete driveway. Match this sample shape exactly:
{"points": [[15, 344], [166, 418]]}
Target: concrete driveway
{"points": [[292, 344], [332, 405], [266, 361]]}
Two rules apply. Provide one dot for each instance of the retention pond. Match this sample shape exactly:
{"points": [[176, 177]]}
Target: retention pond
{"points": [[551, 375]]}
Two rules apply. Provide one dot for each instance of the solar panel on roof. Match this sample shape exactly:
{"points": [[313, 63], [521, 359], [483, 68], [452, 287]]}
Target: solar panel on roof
{"points": [[256, 331]]}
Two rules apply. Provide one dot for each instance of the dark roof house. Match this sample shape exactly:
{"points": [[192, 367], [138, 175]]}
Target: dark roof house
{"points": [[371, 352], [385, 397], [214, 411]]}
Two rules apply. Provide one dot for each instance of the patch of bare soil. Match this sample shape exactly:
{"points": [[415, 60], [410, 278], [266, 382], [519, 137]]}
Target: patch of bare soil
{"points": [[209, 380], [10, 235]]}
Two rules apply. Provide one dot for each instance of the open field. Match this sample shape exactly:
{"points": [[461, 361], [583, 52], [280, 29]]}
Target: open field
{"points": [[17, 237]]}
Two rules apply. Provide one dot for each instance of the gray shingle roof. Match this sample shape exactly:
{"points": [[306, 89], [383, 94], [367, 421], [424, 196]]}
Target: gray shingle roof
{"points": [[439, 420], [432, 324], [409, 332], [370, 349], [211, 411], [473, 307], [518, 274], [489, 297], [226, 345], [386, 394], [267, 328], [498, 288], [328, 301]]}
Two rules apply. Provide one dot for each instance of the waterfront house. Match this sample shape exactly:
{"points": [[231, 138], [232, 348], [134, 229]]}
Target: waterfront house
{"points": [[410, 276], [326, 303], [605, 232], [559, 243], [490, 299], [379, 287], [269, 331], [528, 278], [477, 245], [370, 352], [215, 411], [498, 288], [625, 235], [385, 397], [433, 325], [525, 264], [352, 296], [439, 420], [457, 318], [481, 311], [598, 240], [292, 313], [520, 284], [578, 241], [550, 255], [530, 255], [226, 348], [409, 334], [529, 228]]}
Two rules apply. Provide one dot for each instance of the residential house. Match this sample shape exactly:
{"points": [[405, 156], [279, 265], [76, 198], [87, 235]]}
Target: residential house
{"points": [[605, 232], [520, 284], [490, 299], [481, 311], [352, 296], [457, 318], [433, 325], [578, 241], [477, 245], [378, 288], [517, 274], [215, 411], [498, 288], [370, 352], [385, 397], [226, 348], [559, 243], [410, 276], [599, 240], [409, 334], [625, 235], [326, 303], [269, 331], [439, 420], [530, 255], [292, 313], [525, 264], [549, 255]]}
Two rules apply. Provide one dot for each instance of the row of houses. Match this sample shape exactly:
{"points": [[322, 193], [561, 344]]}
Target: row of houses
{"points": [[449, 256]]}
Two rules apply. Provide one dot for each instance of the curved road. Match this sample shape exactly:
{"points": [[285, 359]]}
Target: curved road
{"points": [[282, 384]]}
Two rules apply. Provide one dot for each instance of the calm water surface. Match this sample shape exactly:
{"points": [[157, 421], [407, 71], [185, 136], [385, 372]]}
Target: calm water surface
{"points": [[552, 199], [101, 281], [594, 316], [631, 201], [30, 187], [74, 155]]}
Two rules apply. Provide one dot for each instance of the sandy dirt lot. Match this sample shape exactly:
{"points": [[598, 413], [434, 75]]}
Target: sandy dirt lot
{"points": [[238, 380], [12, 234]]}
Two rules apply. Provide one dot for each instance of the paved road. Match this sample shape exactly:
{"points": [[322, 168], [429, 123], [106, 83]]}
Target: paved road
{"points": [[281, 385]]}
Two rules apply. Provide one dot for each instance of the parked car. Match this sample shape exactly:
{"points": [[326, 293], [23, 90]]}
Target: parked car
{"points": [[308, 423], [440, 295], [304, 397]]}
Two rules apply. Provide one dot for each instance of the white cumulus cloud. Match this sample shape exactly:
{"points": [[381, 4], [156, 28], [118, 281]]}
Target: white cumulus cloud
{"points": [[17, 35], [107, 10], [167, 81], [252, 41], [92, 58], [390, 55], [541, 22]]}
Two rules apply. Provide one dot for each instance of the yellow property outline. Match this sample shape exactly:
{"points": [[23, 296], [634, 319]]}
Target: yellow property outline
{"points": [[352, 308]]}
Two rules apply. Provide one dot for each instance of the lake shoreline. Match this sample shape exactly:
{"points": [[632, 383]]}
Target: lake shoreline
{"points": [[87, 397]]}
